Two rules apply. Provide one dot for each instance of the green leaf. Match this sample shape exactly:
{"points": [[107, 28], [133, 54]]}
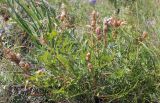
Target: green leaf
{"points": [[52, 35], [63, 61], [45, 57], [119, 73]]}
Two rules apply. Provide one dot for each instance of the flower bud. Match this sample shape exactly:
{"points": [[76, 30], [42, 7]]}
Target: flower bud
{"points": [[98, 32], [18, 55], [90, 67], [117, 23], [93, 23], [94, 15], [63, 6], [27, 66], [22, 64], [63, 15], [7, 50], [144, 35], [88, 57], [105, 28]]}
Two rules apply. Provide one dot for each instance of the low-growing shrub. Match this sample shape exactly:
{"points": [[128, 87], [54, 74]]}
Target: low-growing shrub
{"points": [[73, 61]]}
